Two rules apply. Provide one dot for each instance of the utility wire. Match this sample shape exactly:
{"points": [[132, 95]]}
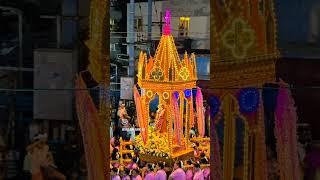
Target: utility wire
{"points": [[173, 30], [106, 90], [140, 8], [194, 37]]}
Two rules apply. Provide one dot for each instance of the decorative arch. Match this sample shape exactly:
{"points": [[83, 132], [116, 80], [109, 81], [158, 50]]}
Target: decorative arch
{"points": [[229, 109]]}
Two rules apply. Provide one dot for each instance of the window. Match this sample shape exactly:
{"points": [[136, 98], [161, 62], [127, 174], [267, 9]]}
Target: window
{"points": [[69, 8], [113, 73], [112, 25], [113, 47], [111, 21], [69, 33], [184, 25], [139, 24]]}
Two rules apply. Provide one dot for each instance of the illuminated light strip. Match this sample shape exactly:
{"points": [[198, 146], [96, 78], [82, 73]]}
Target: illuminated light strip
{"points": [[229, 106], [167, 60], [181, 111], [187, 127], [178, 116]]}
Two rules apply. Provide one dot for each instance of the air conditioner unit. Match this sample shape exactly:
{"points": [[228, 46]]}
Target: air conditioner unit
{"points": [[54, 72]]}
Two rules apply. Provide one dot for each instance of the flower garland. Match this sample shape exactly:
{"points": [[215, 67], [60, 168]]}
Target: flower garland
{"points": [[285, 133], [140, 114], [292, 114], [200, 113], [177, 120]]}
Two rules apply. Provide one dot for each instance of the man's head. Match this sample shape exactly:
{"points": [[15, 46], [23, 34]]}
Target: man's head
{"points": [[178, 164], [135, 172], [114, 171], [197, 166], [160, 165]]}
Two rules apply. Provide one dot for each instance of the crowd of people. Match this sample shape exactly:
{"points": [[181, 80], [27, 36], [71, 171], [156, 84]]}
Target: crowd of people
{"points": [[194, 168], [160, 171], [39, 163], [123, 120]]}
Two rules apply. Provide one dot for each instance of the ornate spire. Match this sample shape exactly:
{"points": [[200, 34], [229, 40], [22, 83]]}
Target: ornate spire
{"points": [[166, 67], [167, 26]]}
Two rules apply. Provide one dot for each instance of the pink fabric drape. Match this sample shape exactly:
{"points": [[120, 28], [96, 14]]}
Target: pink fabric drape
{"points": [[142, 121], [191, 113], [200, 113], [177, 120], [285, 132]]}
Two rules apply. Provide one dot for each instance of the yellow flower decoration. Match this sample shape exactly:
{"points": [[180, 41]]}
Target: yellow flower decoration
{"points": [[184, 74], [149, 94], [239, 38], [157, 74], [165, 95]]}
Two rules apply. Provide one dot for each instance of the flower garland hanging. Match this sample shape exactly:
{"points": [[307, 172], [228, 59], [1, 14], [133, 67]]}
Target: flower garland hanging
{"points": [[249, 100], [200, 113], [286, 135]]}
